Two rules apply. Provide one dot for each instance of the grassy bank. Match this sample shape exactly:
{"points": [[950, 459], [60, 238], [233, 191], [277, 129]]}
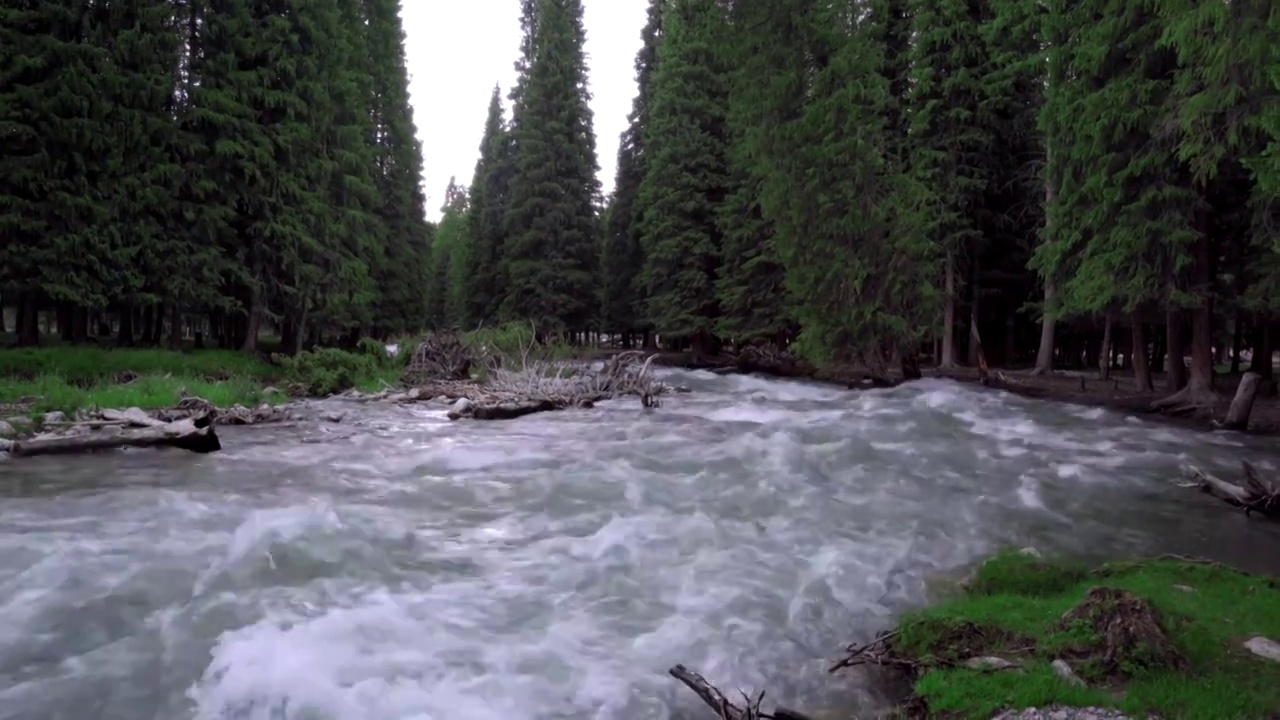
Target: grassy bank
{"points": [[1152, 637], [70, 378]]}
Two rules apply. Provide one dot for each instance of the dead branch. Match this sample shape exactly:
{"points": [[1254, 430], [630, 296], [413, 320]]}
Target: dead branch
{"points": [[723, 707], [877, 652], [1255, 495]]}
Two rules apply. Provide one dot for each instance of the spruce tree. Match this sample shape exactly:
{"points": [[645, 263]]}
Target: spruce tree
{"points": [[621, 254], [859, 266], [552, 242], [686, 174], [490, 187], [751, 287]]}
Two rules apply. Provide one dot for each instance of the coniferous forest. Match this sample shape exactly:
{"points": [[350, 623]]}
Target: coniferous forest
{"points": [[1040, 182]]}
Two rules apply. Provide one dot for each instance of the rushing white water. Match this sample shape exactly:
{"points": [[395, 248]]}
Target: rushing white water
{"points": [[398, 566]]}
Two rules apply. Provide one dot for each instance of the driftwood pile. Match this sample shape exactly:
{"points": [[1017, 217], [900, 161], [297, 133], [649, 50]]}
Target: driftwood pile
{"points": [[1255, 495], [441, 365], [440, 356]]}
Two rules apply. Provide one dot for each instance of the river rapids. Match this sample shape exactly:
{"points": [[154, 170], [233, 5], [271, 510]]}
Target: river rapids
{"points": [[397, 566]]}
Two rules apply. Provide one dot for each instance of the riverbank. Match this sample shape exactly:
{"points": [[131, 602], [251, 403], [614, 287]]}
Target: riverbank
{"points": [[1165, 636], [1075, 387], [1170, 638]]}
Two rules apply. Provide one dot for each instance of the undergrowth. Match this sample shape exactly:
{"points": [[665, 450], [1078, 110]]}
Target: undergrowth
{"points": [[1159, 637]]}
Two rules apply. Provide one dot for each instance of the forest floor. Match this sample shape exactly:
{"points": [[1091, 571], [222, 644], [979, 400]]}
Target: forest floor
{"points": [[1164, 636]]}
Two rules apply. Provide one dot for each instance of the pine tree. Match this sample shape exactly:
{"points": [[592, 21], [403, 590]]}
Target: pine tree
{"points": [[489, 197], [751, 287], [686, 174], [552, 246], [621, 254], [858, 264]]}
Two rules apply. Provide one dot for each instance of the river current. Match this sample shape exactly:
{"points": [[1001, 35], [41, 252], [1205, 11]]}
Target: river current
{"points": [[397, 566]]}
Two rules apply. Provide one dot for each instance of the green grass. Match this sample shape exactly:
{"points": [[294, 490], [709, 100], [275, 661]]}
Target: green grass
{"points": [[52, 392], [69, 378], [1014, 609]]}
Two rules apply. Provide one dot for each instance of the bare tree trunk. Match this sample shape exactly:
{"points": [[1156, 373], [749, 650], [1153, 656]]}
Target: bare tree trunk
{"points": [[1044, 355], [948, 357], [1141, 368], [1198, 395], [1176, 379], [1237, 342], [976, 356], [1104, 356]]}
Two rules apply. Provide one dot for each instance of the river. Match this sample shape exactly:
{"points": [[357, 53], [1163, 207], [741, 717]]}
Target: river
{"points": [[397, 566]]}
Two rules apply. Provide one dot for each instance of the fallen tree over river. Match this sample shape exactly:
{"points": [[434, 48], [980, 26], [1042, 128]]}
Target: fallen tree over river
{"points": [[194, 434], [1256, 494]]}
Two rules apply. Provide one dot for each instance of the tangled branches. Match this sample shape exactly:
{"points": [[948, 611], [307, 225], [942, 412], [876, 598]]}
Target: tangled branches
{"points": [[1256, 494], [440, 356], [724, 708]]}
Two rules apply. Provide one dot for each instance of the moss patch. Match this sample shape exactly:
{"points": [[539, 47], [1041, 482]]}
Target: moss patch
{"points": [[1160, 637]]}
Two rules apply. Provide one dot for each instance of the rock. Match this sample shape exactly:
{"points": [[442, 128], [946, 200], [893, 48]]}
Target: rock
{"points": [[271, 390], [1029, 552], [460, 408], [1184, 588], [1065, 672], [334, 417], [1062, 713], [7, 430], [414, 393], [991, 663], [681, 389], [397, 397], [1263, 648], [5, 444], [442, 399], [19, 421], [55, 417]]}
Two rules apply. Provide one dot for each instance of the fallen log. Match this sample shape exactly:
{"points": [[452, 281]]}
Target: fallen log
{"points": [[723, 707], [1255, 495], [195, 435]]}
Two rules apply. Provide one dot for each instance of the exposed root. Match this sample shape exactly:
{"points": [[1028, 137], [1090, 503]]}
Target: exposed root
{"points": [[1190, 400], [723, 707], [1127, 635], [1255, 495], [877, 652]]}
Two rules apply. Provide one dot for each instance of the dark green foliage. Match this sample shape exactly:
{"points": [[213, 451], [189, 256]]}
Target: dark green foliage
{"points": [[490, 188], [234, 166], [686, 173], [621, 255], [551, 248], [325, 371]]}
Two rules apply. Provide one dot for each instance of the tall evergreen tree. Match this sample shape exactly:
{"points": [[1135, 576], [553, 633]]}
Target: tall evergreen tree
{"points": [[686, 174], [552, 246], [751, 286], [858, 264], [621, 254], [490, 188]]}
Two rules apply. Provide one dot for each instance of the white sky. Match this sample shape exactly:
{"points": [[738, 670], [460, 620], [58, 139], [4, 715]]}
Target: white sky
{"points": [[456, 52]]}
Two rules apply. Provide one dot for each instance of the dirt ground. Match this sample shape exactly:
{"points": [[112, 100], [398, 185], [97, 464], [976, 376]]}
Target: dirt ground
{"points": [[1084, 387]]}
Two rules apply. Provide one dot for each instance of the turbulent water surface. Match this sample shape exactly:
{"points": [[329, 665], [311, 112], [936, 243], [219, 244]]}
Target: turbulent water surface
{"points": [[398, 566]]}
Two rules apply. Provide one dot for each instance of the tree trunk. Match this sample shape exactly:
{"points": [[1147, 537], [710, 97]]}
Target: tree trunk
{"points": [[1044, 355], [1198, 395], [252, 325], [1176, 379], [28, 320], [948, 358], [1237, 343], [2, 321], [175, 325], [1264, 349], [1141, 368], [1242, 404], [1104, 355], [124, 336], [975, 350]]}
